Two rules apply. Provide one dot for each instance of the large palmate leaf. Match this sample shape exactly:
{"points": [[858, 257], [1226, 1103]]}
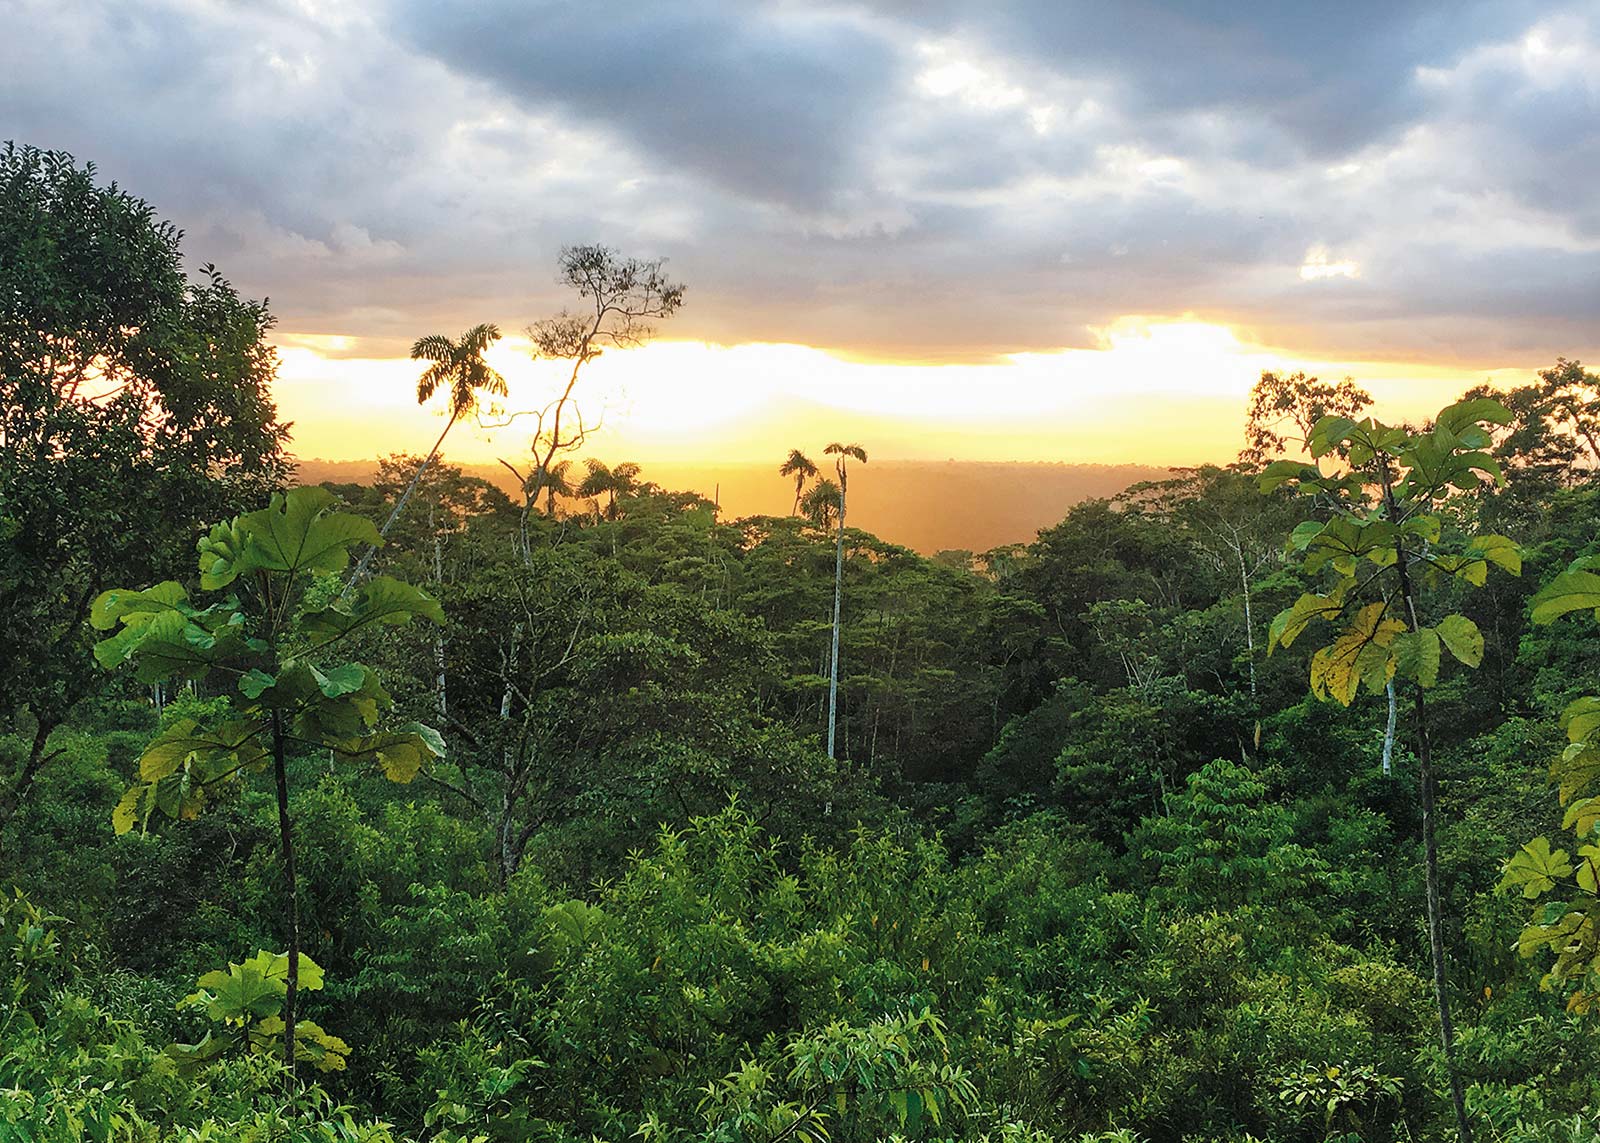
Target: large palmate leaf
{"points": [[297, 532], [401, 753], [1581, 718], [1577, 771], [1417, 656], [1573, 590], [1357, 653], [1291, 621], [235, 742], [1535, 869], [312, 1045], [121, 604], [381, 601], [1462, 638]]}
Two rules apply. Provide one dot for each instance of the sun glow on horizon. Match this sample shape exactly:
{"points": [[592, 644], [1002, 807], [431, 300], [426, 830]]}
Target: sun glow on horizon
{"points": [[1151, 390]]}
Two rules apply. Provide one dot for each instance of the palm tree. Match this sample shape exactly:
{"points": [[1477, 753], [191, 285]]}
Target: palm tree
{"points": [[840, 453], [821, 503], [800, 467], [557, 482], [459, 367], [609, 482]]}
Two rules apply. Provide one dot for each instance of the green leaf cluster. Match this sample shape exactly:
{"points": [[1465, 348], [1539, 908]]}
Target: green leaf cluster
{"points": [[271, 641], [246, 1001]]}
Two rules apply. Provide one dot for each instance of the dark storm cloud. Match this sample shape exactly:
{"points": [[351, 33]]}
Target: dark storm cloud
{"points": [[773, 106], [926, 179]]}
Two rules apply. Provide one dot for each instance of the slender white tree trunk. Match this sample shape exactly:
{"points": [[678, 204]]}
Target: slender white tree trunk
{"points": [[838, 587]]}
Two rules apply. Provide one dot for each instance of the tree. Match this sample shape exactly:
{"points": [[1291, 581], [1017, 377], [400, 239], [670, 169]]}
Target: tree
{"points": [[1384, 544], [135, 403], [557, 482], [799, 466], [820, 504], [609, 482], [841, 453], [1566, 921], [626, 296], [457, 367], [1283, 410], [272, 638]]}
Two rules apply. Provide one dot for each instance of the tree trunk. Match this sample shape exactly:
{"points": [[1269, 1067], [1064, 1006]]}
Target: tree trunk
{"points": [[11, 799], [833, 666], [1249, 622], [438, 639], [400, 506], [1388, 733], [286, 843], [1430, 848]]}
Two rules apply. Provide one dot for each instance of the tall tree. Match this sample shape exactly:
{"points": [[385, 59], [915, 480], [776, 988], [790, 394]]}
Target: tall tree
{"points": [[841, 453], [272, 639], [1384, 547], [602, 480], [458, 368], [557, 482], [801, 467], [1284, 409], [820, 504], [625, 297], [135, 404]]}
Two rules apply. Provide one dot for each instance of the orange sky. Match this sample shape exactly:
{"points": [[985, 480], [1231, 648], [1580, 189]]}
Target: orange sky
{"points": [[1153, 391]]}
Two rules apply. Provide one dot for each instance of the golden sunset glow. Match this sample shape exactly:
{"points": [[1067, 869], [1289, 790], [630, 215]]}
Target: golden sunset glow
{"points": [[1162, 391]]}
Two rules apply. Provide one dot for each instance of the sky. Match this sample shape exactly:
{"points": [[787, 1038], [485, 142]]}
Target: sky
{"points": [[1016, 229]]}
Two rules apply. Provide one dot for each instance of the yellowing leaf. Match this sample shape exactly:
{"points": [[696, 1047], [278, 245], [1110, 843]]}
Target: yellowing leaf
{"points": [[126, 814], [1501, 551], [1337, 669], [1462, 637], [1534, 869]]}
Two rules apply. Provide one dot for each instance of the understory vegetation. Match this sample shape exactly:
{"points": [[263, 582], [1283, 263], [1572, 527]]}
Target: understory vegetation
{"points": [[1254, 804]]}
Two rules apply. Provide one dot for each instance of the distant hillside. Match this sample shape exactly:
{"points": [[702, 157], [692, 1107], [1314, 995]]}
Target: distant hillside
{"points": [[926, 505]]}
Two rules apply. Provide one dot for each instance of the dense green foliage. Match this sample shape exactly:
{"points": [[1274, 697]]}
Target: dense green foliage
{"points": [[1089, 864]]}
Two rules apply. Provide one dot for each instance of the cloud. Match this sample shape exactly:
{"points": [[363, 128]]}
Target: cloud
{"points": [[913, 178]]}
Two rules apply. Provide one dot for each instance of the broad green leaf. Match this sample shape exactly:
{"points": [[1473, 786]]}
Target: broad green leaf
{"points": [[1281, 472], [255, 682], [119, 603], [222, 554], [1291, 621], [275, 966], [1463, 414], [1463, 639], [380, 601], [1417, 656], [235, 741], [1304, 533], [1588, 872], [1568, 591], [1498, 550], [1581, 816], [1328, 433], [1534, 869], [240, 994], [1581, 718], [1577, 771], [300, 532], [1424, 527]]}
